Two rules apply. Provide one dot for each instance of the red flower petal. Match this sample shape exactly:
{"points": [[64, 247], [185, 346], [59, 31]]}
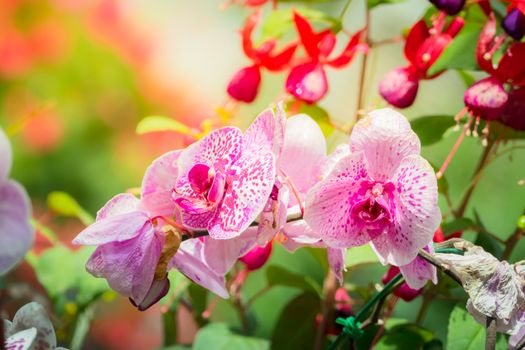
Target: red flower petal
{"points": [[349, 51], [486, 98], [245, 84], [417, 35], [308, 38], [399, 87], [307, 82], [279, 61], [511, 68], [485, 44], [246, 34]]}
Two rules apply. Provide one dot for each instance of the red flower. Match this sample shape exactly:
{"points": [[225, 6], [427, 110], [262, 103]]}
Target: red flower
{"points": [[257, 257], [307, 81], [245, 83], [403, 291], [423, 47], [498, 97]]}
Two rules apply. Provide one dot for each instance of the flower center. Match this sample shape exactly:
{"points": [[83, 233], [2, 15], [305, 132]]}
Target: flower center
{"points": [[373, 209]]}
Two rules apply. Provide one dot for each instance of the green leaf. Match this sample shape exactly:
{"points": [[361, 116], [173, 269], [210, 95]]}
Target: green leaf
{"points": [[295, 328], [360, 255], [374, 3], [159, 123], [277, 275], [63, 204], [467, 78], [199, 300], [279, 22], [464, 333], [217, 336], [405, 337], [461, 52], [430, 129], [320, 256], [456, 225], [63, 274], [486, 241], [317, 113]]}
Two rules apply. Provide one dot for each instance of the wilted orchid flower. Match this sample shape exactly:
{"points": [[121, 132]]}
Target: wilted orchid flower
{"points": [[307, 81], [495, 287], [380, 190], [30, 329], [499, 96], [226, 178], [245, 83], [16, 233], [423, 47]]}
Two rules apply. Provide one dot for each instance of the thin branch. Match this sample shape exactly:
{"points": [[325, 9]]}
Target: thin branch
{"points": [[360, 95], [329, 289], [511, 242], [490, 340], [437, 263]]}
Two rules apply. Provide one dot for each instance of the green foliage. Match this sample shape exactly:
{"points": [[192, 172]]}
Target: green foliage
{"points": [[63, 204], [430, 129], [218, 336], [317, 113], [407, 337], [295, 328], [456, 225], [360, 255], [277, 275], [374, 3], [159, 123], [464, 333]]}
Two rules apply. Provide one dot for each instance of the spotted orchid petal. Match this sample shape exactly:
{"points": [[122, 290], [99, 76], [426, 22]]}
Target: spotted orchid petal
{"points": [[336, 260], [418, 272], [266, 132]]}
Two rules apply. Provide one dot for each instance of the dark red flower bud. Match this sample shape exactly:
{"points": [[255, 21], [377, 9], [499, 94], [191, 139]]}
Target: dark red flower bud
{"points": [[399, 87], [450, 7], [486, 99], [438, 236], [307, 82], [257, 256], [514, 113], [514, 24], [403, 291], [245, 84]]}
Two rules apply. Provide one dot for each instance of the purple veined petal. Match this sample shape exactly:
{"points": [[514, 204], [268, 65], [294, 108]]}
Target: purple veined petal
{"points": [[245, 197], [418, 272], [266, 132], [518, 332], [386, 138], [5, 156], [336, 260], [34, 316], [157, 291], [220, 255], [189, 261], [197, 221], [340, 152], [122, 203], [129, 266], [328, 204], [417, 214], [16, 233], [304, 151], [218, 150], [158, 182], [22, 340]]}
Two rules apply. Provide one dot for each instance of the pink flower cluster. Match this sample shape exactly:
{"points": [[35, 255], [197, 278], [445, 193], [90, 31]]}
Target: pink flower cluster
{"points": [[204, 207]]}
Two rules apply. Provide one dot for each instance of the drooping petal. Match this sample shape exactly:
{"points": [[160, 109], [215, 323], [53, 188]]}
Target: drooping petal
{"points": [[304, 151], [250, 186], [34, 316], [328, 204], [307, 82], [218, 150], [16, 233], [5, 156], [417, 35], [129, 266], [519, 333], [399, 87], [189, 260], [246, 34], [418, 272], [220, 255], [157, 291], [417, 213], [336, 260], [308, 38], [158, 183], [485, 45], [245, 83], [349, 51], [386, 138], [486, 99]]}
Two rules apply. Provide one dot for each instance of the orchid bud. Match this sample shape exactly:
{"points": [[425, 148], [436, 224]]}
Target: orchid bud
{"points": [[399, 87], [514, 24]]}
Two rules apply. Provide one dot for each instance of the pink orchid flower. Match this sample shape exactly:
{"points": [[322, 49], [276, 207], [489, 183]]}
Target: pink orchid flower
{"points": [[226, 178], [381, 191], [16, 233]]}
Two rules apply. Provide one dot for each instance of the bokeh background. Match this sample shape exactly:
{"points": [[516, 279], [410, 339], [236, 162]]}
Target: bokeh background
{"points": [[76, 77]]}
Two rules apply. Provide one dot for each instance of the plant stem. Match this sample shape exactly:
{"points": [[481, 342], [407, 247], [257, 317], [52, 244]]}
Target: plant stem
{"points": [[169, 323], [475, 178], [437, 263], [329, 288], [511, 243], [360, 90], [490, 340], [427, 299], [345, 8]]}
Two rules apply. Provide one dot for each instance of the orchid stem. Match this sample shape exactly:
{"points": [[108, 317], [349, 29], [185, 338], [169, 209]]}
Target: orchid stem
{"points": [[169, 323], [360, 90], [490, 340]]}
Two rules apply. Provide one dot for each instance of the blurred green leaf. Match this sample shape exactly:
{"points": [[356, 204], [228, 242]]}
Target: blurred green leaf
{"points": [[464, 333], [456, 225], [374, 3], [63, 204], [499, 8], [159, 123], [199, 300], [430, 129], [277, 275], [489, 243], [405, 337], [467, 78], [320, 256], [278, 22], [317, 113], [218, 336], [360, 255], [295, 328], [63, 274], [461, 52]]}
